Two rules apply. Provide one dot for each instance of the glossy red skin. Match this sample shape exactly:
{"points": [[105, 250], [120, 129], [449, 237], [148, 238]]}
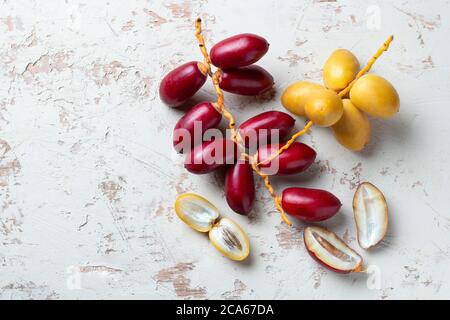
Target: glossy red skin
{"points": [[206, 114], [266, 120], [247, 81], [181, 83], [200, 160], [297, 158], [240, 187], [238, 51], [309, 204]]}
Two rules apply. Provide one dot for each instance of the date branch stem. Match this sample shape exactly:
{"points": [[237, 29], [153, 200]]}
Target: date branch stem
{"points": [[220, 106]]}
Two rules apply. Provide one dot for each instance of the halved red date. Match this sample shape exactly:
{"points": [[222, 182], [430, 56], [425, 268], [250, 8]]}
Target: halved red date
{"points": [[240, 187], [191, 127], [211, 155], [309, 204], [182, 83], [238, 51], [258, 129], [330, 251], [247, 81], [297, 158]]}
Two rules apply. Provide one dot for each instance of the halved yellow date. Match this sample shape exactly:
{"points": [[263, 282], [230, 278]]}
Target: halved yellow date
{"points": [[229, 238], [197, 212], [371, 215]]}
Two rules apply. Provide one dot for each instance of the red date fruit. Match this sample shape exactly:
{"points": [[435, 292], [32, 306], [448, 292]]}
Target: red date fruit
{"points": [[309, 204], [240, 187], [202, 116], [238, 51], [297, 158], [182, 83], [246, 81], [211, 155], [259, 127], [330, 251]]}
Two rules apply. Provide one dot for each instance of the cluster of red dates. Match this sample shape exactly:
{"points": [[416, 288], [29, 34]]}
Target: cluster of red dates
{"points": [[235, 57]]}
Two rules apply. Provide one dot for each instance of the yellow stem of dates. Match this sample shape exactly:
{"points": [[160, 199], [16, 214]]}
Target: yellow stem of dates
{"points": [[220, 106], [269, 188], [369, 65], [289, 143], [201, 44]]}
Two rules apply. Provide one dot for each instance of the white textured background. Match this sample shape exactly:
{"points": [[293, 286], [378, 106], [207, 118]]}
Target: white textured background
{"points": [[88, 176]]}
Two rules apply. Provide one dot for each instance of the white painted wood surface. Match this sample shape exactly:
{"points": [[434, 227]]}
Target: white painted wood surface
{"points": [[88, 176]]}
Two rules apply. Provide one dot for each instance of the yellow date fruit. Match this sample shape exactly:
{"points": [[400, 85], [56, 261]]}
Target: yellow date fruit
{"points": [[225, 234], [197, 212], [230, 240], [375, 96], [353, 129], [324, 108], [295, 96], [340, 69]]}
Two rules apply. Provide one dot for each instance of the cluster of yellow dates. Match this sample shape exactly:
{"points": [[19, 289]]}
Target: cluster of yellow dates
{"points": [[344, 101]]}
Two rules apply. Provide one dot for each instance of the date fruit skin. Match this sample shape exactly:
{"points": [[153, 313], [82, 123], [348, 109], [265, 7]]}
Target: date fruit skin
{"points": [[211, 155], [238, 51], [297, 158], [260, 126], [295, 96], [309, 204], [181, 83], [375, 96], [353, 129], [246, 81], [324, 107], [340, 69], [207, 117], [240, 187]]}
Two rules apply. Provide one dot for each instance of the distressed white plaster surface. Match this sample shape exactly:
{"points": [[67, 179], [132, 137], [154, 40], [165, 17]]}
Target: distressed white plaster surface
{"points": [[88, 176]]}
